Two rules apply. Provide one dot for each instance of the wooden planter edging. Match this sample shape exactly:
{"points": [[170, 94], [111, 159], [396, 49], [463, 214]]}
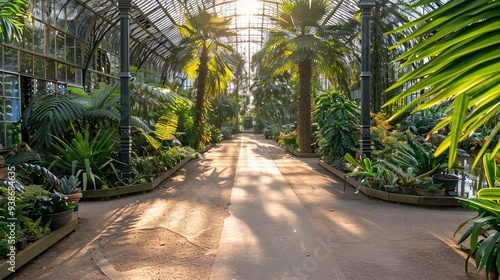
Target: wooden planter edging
{"points": [[106, 194], [36, 248], [393, 197], [299, 154]]}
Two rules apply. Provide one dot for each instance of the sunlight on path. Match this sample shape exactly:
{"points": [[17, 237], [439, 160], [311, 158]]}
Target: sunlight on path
{"points": [[269, 234]]}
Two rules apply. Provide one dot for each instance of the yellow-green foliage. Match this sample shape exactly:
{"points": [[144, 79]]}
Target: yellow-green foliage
{"points": [[386, 138]]}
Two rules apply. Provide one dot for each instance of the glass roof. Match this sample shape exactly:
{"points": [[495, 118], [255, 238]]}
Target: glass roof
{"points": [[153, 20], [153, 31]]}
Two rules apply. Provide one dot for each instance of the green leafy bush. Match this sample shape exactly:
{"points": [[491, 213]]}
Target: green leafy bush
{"points": [[338, 125]]}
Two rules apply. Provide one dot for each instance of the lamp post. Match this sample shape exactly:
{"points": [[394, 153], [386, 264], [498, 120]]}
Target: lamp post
{"points": [[124, 7], [365, 140]]}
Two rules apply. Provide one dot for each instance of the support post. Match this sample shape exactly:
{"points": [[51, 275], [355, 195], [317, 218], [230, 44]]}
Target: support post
{"points": [[124, 7], [365, 140]]}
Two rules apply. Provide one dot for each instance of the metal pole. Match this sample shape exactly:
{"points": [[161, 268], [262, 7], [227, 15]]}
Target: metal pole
{"points": [[125, 137], [365, 139]]}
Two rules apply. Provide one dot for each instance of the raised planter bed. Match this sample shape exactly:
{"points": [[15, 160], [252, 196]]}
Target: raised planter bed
{"points": [[36, 248], [107, 194], [393, 197]]}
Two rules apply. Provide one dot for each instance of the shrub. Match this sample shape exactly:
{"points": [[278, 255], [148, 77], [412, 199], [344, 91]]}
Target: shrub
{"points": [[338, 125]]}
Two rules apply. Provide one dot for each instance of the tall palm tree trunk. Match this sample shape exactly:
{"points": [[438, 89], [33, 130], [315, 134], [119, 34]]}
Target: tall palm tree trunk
{"points": [[200, 97], [304, 106]]}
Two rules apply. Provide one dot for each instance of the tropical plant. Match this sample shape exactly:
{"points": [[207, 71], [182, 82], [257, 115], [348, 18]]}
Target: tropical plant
{"points": [[203, 56], [338, 125], [370, 172], [13, 13], [301, 41], [36, 229], [55, 203], [406, 176], [420, 157], [69, 185], [289, 140], [458, 61], [49, 116], [89, 157], [484, 233]]}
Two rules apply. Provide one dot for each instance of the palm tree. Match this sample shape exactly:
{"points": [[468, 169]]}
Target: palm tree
{"points": [[459, 62], [204, 57], [12, 16], [300, 41]]}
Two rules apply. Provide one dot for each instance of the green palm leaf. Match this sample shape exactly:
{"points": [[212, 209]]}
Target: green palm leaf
{"points": [[459, 61]]}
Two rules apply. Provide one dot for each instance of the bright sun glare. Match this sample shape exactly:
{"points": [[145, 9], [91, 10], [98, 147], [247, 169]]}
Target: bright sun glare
{"points": [[247, 7]]}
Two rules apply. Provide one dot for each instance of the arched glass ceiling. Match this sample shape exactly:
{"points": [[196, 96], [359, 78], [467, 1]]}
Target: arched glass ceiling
{"points": [[153, 32]]}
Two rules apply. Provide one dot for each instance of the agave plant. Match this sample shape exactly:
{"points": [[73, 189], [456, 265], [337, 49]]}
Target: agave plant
{"points": [[89, 157]]}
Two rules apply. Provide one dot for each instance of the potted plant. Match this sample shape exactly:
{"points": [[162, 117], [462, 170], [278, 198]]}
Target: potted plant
{"points": [[69, 187], [54, 209], [426, 187], [448, 181]]}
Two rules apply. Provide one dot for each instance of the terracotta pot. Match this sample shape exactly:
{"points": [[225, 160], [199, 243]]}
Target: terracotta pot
{"points": [[58, 219], [73, 197]]}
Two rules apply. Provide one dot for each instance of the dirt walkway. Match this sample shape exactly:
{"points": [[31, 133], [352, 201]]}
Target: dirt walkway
{"points": [[174, 231]]}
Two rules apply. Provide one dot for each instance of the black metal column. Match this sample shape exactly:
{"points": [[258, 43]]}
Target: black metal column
{"points": [[365, 139], [126, 140]]}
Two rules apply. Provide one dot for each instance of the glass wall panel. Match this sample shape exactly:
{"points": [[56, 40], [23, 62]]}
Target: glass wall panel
{"points": [[61, 15], [37, 9], [26, 64], [39, 68], [61, 72], [61, 46], [70, 49], [50, 72], [10, 59], [71, 75], [10, 110], [49, 13], [78, 52], [72, 11], [50, 36], [83, 20], [39, 37]]}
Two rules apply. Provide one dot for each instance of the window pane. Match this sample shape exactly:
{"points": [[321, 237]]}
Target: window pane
{"points": [[51, 41], [70, 49], [50, 73], [61, 14], [26, 63], [10, 59], [37, 9], [78, 52], [49, 11], [38, 37], [39, 67], [12, 110], [11, 85], [61, 45], [71, 75], [61, 72]]}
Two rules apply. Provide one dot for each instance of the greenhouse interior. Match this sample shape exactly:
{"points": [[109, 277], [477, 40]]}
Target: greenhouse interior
{"points": [[249, 139]]}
